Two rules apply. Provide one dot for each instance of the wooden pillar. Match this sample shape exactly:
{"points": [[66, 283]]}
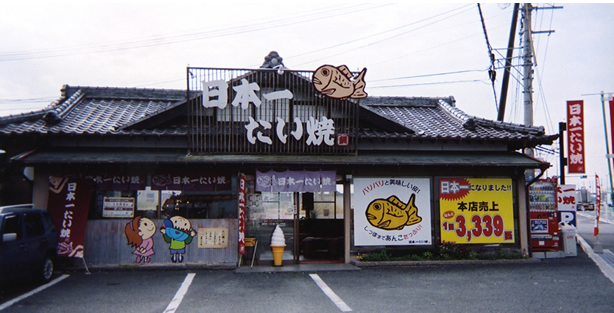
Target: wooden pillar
{"points": [[347, 219], [523, 215], [40, 188]]}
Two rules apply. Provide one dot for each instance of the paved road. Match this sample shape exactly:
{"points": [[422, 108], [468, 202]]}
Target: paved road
{"points": [[573, 284], [586, 225]]}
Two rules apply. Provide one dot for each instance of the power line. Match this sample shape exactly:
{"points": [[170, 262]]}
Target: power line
{"points": [[432, 83], [186, 37], [492, 73], [425, 75], [388, 38]]}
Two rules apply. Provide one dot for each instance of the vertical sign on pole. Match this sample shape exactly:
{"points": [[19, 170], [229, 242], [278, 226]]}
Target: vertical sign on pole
{"points": [[575, 136], [598, 204], [242, 214]]}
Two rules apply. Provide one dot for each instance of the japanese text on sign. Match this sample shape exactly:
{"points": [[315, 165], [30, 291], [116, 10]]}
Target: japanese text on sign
{"points": [[213, 237], [575, 136], [392, 211], [318, 131], [476, 210]]}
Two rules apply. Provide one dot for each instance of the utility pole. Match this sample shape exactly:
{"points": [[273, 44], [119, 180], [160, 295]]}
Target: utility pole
{"points": [[528, 55], [527, 58], [508, 64]]}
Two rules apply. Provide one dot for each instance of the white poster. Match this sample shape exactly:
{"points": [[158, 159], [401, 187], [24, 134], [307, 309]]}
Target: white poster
{"points": [[392, 211]]}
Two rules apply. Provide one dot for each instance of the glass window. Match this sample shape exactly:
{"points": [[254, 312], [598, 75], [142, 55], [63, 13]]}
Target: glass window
{"points": [[199, 205], [12, 224], [326, 205], [34, 225]]}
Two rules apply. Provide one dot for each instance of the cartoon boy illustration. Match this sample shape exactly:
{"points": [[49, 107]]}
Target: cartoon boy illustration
{"points": [[178, 232], [139, 233]]}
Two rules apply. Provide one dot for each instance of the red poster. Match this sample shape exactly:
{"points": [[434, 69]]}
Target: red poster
{"points": [[69, 204], [242, 197], [575, 137]]}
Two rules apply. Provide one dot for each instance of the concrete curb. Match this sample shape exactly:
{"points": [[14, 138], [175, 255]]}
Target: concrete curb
{"points": [[359, 263], [604, 266]]}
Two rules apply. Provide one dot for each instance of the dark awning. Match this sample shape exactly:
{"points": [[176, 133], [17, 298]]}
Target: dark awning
{"points": [[425, 158]]}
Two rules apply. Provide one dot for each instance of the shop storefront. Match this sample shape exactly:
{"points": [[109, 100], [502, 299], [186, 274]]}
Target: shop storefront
{"points": [[186, 176]]}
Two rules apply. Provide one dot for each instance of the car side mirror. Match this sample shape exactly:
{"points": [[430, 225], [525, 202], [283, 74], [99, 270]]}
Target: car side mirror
{"points": [[9, 237]]}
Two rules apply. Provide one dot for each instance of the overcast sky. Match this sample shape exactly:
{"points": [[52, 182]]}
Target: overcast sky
{"points": [[408, 50]]}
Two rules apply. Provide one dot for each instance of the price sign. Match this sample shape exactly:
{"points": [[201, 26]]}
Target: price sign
{"points": [[476, 210]]}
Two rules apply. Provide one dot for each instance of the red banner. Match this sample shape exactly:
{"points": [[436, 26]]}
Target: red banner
{"points": [[597, 204], [68, 205], [575, 137], [242, 196], [612, 123]]}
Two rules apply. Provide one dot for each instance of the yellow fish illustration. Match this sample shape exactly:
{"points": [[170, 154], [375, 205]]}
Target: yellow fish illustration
{"points": [[391, 213], [339, 83]]}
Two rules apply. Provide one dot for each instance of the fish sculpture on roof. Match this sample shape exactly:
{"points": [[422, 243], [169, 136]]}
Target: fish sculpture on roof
{"points": [[392, 213], [339, 82]]}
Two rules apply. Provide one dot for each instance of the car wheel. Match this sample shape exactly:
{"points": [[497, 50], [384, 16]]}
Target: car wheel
{"points": [[46, 271]]}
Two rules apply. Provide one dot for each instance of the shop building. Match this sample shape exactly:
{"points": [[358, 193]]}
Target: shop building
{"points": [[242, 150]]}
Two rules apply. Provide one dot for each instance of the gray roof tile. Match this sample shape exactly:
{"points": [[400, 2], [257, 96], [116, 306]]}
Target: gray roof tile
{"points": [[96, 110]]}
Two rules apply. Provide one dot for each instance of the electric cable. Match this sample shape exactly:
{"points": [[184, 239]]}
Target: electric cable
{"points": [[192, 36], [492, 73]]}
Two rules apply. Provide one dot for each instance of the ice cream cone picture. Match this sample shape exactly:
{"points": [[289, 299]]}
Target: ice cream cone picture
{"points": [[278, 243]]}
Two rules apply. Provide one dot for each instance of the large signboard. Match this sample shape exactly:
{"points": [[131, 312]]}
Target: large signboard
{"points": [[476, 210], [265, 111], [392, 211]]}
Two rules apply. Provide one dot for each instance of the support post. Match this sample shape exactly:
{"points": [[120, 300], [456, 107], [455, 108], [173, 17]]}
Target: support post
{"points": [[562, 158]]}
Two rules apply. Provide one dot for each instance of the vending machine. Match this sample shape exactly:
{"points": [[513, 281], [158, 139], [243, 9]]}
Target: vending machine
{"points": [[543, 218]]}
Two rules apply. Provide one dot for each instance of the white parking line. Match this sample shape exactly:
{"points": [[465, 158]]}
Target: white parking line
{"points": [[330, 293], [39, 289], [180, 293]]}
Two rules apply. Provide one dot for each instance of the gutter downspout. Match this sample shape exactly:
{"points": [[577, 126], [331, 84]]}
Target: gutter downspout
{"points": [[527, 211]]}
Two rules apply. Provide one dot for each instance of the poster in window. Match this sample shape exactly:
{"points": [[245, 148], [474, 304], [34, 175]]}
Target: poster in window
{"points": [[119, 207], [476, 210], [147, 200], [392, 211]]}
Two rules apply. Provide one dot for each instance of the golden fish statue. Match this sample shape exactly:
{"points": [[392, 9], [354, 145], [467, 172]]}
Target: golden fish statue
{"points": [[392, 213], [339, 82]]}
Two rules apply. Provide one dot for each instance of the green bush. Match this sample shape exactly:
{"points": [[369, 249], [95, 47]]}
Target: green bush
{"points": [[446, 251]]}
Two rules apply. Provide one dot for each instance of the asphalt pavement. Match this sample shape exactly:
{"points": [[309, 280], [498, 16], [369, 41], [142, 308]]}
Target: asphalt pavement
{"points": [[571, 284]]}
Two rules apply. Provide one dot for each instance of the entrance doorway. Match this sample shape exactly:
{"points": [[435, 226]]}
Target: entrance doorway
{"points": [[312, 223], [319, 228]]}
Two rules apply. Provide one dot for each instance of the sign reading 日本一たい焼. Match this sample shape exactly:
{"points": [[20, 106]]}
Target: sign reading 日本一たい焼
{"points": [[476, 210]]}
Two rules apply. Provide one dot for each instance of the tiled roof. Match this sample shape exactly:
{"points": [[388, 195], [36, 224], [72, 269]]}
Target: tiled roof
{"points": [[116, 111], [98, 110], [438, 118]]}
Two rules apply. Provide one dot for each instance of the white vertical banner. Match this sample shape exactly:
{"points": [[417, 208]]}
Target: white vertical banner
{"points": [[566, 203], [392, 211]]}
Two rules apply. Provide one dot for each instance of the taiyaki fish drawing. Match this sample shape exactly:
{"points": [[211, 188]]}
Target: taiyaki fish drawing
{"points": [[391, 213], [339, 82]]}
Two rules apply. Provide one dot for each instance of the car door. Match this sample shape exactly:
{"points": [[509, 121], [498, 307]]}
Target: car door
{"points": [[11, 252]]}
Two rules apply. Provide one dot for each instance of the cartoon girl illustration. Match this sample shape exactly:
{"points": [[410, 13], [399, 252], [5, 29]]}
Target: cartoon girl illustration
{"points": [[139, 233]]}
